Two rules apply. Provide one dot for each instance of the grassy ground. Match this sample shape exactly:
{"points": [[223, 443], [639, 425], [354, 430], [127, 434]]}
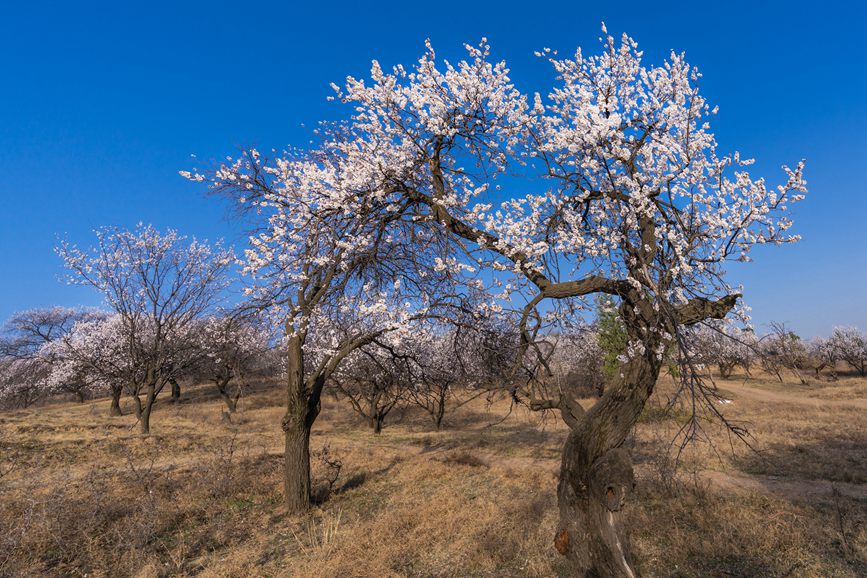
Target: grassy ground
{"points": [[87, 495]]}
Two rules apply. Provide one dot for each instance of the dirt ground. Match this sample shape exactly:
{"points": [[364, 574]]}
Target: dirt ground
{"points": [[82, 494]]}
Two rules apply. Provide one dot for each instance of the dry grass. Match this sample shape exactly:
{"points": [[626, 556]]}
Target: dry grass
{"points": [[89, 496]]}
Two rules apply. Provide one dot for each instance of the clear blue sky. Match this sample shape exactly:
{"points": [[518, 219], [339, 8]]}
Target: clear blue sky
{"points": [[102, 104]]}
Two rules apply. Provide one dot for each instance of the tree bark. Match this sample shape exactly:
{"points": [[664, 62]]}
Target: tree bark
{"points": [[176, 390], [231, 403], [377, 423], [596, 475], [115, 410], [145, 419], [301, 411], [223, 388], [137, 406]]}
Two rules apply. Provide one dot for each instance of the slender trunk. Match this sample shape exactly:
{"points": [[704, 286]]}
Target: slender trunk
{"points": [[231, 403], [114, 410], [145, 419], [301, 411], [137, 406], [377, 423], [223, 388], [373, 412], [439, 413], [80, 395], [176, 390]]}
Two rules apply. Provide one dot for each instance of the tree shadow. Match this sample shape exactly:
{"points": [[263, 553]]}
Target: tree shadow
{"points": [[829, 458]]}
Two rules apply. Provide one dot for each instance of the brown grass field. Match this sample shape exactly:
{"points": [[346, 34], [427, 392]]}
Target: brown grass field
{"points": [[87, 496]]}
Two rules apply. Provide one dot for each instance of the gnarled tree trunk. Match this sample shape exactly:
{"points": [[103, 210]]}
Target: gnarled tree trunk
{"points": [[596, 474], [114, 410]]}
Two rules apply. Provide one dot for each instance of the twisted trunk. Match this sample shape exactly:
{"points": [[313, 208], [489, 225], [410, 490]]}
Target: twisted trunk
{"points": [[223, 388], [596, 476], [114, 410]]}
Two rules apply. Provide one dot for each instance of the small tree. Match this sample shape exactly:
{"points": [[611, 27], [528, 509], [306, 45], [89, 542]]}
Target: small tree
{"points": [[158, 285], [375, 381], [23, 381], [327, 249], [822, 354], [850, 345], [232, 348], [611, 336], [724, 345], [783, 348]]}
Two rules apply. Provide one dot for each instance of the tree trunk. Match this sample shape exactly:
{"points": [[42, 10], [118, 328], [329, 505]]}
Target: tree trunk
{"points": [[377, 423], [301, 411], [145, 419], [223, 388], [373, 412], [440, 409], [176, 390], [80, 395], [596, 475], [296, 475], [231, 403], [114, 410]]}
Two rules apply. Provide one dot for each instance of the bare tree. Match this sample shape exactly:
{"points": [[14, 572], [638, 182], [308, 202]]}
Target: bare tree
{"points": [[375, 381]]}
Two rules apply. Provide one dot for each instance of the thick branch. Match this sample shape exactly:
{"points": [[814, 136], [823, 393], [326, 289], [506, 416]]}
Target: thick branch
{"points": [[699, 309]]}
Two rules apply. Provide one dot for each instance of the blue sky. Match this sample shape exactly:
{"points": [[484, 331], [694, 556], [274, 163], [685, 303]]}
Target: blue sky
{"points": [[102, 104]]}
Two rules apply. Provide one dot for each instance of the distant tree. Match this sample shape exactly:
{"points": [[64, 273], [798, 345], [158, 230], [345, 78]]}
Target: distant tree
{"points": [[29, 336], [823, 355], [158, 284], [724, 345], [783, 348], [611, 335], [233, 348], [580, 359], [98, 352], [23, 381], [375, 380], [470, 356], [850, 345]]}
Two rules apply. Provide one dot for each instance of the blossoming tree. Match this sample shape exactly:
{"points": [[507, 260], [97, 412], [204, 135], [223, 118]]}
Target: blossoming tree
{"points": [[611, 184], [158, 285], [231, 348]]}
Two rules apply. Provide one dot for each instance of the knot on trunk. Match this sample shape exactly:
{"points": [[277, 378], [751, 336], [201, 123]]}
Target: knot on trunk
{"points": [[287, 423], [561, 542], [612, 479]]}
